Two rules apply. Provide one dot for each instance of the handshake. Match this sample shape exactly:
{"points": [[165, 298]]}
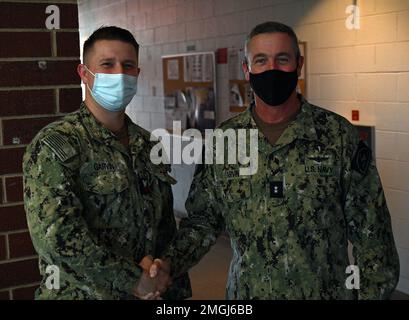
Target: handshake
{"points": [[155, 279]]}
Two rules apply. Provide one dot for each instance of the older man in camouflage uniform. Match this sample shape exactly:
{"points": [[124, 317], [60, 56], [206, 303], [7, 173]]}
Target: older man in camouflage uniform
{"points": [[96, 205], [316, 187]]}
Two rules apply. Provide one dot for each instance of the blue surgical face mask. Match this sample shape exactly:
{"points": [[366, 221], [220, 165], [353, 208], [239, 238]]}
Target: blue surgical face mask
{"points": [[113, 91]]}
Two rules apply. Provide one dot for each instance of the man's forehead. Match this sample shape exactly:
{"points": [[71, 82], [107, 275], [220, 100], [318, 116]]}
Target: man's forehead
{"points": [[113, 49], [270, 42]]}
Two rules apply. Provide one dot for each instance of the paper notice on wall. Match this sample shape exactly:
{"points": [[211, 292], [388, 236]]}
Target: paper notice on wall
{"points": [[193, 68], [198, 68], [173, 69], [235, 58], [208, 66], [187, 73]]}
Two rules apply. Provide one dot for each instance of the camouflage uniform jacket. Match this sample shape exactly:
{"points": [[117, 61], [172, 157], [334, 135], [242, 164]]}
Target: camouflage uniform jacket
{"points": [[94, 210], [290, 222]]}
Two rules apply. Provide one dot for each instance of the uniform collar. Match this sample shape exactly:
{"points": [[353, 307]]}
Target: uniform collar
{"points": [[101, 134], [95, 128], [301, 128]]}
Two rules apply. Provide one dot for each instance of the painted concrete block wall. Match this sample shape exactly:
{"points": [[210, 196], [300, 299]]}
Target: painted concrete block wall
{"points": [[365, 69]]}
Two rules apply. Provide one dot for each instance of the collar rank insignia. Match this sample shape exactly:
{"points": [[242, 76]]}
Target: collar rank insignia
{"points": [[276, 189]]}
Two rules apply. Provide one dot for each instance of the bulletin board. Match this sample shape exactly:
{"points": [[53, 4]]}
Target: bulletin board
{"points": [[190, 90]]}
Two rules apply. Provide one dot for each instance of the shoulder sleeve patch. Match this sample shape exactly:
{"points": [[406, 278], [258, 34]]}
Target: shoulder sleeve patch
{"points": [[60, 145], [362, 158]]}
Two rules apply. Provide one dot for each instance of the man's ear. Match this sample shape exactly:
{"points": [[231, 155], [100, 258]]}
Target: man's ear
{"points": [[82, 72], [245, 67], [300, 65]]}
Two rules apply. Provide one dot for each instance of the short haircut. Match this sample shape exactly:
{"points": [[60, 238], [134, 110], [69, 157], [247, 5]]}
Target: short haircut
{"points": [[109, 33], [274, 27]]}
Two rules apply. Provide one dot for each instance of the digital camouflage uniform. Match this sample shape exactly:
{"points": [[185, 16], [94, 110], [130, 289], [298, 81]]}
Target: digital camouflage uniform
{"points": [[94, 210], [290, 223]]}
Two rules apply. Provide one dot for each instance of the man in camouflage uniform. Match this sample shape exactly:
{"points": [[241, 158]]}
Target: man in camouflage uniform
{"points": [[95, 204], [316, 187]]}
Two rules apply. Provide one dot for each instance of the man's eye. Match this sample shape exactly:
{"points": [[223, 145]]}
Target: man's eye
{"points": [[107, 64], [282, 60], [260, 61], [129, 66]]}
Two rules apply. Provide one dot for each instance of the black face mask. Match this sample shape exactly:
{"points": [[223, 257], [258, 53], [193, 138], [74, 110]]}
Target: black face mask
{"points": [[274, 87]]}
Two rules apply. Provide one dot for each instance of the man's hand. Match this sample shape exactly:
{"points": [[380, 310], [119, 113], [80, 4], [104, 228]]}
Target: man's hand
{"points": [[160, 270], [145, 289], [155, 279]]}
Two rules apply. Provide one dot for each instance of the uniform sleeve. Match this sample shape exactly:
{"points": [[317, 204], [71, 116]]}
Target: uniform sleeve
{"points": [[166, 230], [199, 231], [59, 232], [165, 224], [369, 223]]}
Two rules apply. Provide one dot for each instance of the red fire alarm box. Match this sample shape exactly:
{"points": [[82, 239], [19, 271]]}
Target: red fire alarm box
{"points": [[355, 115]]}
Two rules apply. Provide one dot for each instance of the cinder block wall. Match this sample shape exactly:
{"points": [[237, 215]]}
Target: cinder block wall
{"points": [[365, 69], [30, 98]]}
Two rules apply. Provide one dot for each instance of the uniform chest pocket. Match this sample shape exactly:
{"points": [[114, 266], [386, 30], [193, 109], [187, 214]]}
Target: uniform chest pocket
{"points": [[105, 183], [236, 199], [236, 190], [105, 199], [323, 186], [317, 199]]}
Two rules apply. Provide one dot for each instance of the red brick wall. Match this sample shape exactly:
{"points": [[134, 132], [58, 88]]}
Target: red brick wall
{"points": [[30, 98]]}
